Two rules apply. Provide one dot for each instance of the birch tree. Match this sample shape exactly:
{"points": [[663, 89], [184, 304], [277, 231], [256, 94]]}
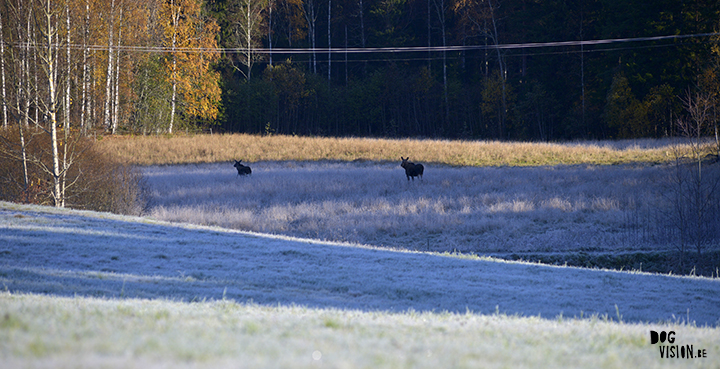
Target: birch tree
{"points": [[49, 58], [2, 73], [109, 79], [441, 9], [85, 67], [311, 17], [68, 62], [13, 102], [329, 22], [694, 192], [293, 12], [361, 15], [191, 38], [271, 3], [482, 19], [43, 83], [246, 18], [44, 40], [173, 12], [116, 78]]}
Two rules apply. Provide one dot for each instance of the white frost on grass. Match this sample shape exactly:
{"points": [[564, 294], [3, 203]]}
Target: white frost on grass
{"points": [[64, 252], [40, 331], [471, 210]]}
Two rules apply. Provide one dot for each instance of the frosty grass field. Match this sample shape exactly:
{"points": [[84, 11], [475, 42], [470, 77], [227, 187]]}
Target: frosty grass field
{"points": [[216, 288], [482, 210]]}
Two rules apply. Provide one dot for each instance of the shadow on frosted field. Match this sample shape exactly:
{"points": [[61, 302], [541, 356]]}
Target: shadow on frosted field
{"points": [[63, 252]]}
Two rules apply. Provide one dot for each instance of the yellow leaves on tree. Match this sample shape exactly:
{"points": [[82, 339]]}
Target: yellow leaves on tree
{"points": [[201, 93], [191, 37], [293, 10]]}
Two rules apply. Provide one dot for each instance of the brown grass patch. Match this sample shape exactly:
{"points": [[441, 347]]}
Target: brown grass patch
{"points": [[94, 180], [157, 150]]}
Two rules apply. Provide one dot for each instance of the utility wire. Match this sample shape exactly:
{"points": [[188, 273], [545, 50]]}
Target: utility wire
{"points": [[365, 50]]}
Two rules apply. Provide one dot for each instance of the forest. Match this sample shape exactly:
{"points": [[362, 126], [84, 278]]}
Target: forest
{"points": [[526, 70]]}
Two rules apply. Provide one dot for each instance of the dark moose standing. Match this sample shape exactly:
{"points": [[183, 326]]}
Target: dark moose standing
{"points": [[242, 169], [411, 169]]}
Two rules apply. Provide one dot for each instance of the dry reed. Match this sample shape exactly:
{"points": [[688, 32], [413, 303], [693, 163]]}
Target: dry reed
{"points": [[183, 149]]}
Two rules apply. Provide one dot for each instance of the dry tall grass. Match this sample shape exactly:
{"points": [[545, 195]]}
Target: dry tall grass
{"points": [[154, 150]]}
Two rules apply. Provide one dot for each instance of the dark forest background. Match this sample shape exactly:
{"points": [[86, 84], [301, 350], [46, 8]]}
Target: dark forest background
{"points": [[617, 90]]}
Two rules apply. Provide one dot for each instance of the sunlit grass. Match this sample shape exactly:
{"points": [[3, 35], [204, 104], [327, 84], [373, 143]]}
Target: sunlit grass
{"points": [[149, 150], [59, 332]]}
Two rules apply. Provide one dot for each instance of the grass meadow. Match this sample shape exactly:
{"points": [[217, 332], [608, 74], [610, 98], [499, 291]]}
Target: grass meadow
{"points": [[584, 215], [469, 210], [87, 290], [40, 331], [97, 290], [583, 203], [184, 149]]}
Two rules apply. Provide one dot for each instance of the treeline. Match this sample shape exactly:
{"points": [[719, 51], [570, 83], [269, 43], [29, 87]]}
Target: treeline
{"points": [[116, 65], [615, 90], [310, 67]]}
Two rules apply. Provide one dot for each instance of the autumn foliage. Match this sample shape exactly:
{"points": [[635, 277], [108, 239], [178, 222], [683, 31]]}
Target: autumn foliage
{"points": [[95, 181], [190, 38], [496, 69]]}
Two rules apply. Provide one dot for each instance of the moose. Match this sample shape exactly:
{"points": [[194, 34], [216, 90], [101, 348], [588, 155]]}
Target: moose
{"points": [[411, 169], [242, 169]]}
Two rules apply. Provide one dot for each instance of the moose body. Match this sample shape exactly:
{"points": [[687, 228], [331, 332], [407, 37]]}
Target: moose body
{"points": [[412, 170], [242, 169]]}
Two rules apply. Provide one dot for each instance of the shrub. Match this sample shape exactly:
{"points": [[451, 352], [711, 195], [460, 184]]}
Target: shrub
{"points": [[693, 199], [93, 180]]}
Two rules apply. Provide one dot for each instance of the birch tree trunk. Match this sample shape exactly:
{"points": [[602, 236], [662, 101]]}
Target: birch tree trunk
{"points": [[23, 150], [116, 103], [311, 18], [49, 60], [270, 24], [362, 31], [69, 70], [174, 65], [195, 88], [108, 83], [248, 37], [441, 9], [246, 24], [429, 35], [25, 66], [501, 65], [66, 122], [2, 71], [582, 72], [84, 101], [329, 43], [36, 87], [22, 96]]}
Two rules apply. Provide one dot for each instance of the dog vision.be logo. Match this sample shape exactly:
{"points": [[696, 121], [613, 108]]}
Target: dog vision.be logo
{"points": [[672, 351]]}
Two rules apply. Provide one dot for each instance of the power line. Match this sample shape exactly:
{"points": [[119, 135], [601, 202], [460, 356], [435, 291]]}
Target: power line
{"points": [[457, 57], [468, 47], [365, 50]]}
